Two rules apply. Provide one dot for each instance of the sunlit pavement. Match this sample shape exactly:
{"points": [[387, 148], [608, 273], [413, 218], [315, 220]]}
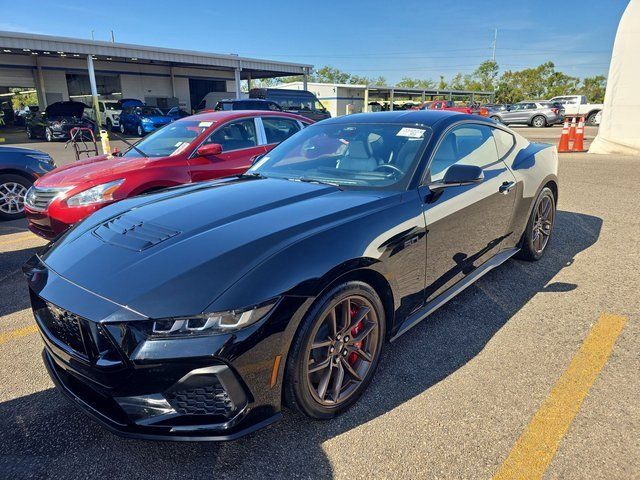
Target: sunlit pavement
{"points": [[535, 368]]}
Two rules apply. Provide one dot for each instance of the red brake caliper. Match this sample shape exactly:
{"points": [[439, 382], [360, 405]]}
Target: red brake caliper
{"points": [[353, 357]]}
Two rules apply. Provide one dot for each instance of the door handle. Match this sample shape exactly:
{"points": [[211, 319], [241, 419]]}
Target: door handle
{"points": [[506, 187]]}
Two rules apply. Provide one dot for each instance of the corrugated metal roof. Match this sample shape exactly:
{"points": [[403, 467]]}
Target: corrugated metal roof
{"points": [[20, 41]]}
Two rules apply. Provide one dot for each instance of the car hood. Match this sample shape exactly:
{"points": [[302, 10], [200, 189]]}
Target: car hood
{"points": [[65, 109], [157, 118], [91, 170], [174, 253]]}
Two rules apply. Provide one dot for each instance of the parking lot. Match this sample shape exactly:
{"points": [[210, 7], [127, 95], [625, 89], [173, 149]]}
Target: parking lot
{"points": [[451, 399]]}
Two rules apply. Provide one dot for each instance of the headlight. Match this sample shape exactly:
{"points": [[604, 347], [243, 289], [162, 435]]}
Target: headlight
{"points": [[146, 120], [98, 194], [206, 324], [41, 157]]}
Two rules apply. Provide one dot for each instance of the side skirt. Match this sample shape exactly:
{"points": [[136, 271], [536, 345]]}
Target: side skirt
{"points": [[454, 290]]}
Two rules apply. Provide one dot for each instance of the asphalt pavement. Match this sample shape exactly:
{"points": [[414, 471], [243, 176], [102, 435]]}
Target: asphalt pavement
{"points": [[460, 396]]}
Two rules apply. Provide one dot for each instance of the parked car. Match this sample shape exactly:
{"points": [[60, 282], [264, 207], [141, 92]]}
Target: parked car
{"points": [[196, 148], [20, 116], [300, 102], [498, 107], [175, 112], [142, 119], [578, 105], [109, 112], [19, 168], [56, 122], [445, 105], [197, 312], [247, 104], [535, 113]]}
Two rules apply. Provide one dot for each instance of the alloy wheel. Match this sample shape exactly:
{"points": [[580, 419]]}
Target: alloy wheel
{"points": [[12, 198], [342, 350], [543, 224]]}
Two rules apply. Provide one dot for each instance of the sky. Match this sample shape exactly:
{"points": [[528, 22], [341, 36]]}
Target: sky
{"points": [[414, 38]]}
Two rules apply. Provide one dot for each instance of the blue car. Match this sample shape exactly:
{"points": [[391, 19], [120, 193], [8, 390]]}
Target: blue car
{"points": [[142, 119]]}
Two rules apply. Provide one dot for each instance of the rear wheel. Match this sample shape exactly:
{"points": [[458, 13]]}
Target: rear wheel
{"points": [[48, 135], [495, 117], [591, 119], [29, 133], [539, 121], [109, 125], [336, 351], [539, 227], [13, 189]]}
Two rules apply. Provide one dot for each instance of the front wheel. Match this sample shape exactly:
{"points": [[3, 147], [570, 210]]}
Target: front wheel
{"points": [[592, 119], [13, 189], [336, 351], [122, 130], [109, 125], [539, 121], [48, 135], [539, 227], [140, 131], [496, 118]]}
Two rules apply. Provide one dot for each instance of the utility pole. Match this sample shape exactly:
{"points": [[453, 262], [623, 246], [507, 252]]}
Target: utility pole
{"points": [[113, 38], [495, 44]]}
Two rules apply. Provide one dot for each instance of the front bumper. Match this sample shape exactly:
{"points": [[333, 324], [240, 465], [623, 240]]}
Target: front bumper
{"points": [[212, 388]]}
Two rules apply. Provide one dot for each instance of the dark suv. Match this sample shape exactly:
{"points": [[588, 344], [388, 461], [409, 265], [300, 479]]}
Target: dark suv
{"points": [[247, 104]]}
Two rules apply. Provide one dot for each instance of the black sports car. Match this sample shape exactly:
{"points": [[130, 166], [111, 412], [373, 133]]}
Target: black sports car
{"points": [[194, 313], [57, 121]]}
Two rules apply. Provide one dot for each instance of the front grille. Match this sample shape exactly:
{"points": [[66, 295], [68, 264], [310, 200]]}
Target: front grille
{"points": [[65, 327], [208, 400], [39, 199]]}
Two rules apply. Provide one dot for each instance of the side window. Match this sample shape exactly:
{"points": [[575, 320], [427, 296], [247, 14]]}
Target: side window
{"points": [[467, 145], [235, 135], [504, 141], [279, 129], [274, 106], [101, 107]]}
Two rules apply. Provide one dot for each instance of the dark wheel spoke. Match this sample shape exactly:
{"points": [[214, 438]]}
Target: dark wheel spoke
{"points": [[333, 321], [321, 344], [368, 328], [316, 367], [337, 382], [346, 314], [357, 318], [350, 370], [324, 383], [363, 355]]}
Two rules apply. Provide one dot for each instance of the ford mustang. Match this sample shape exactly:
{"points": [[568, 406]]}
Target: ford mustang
{"points": [[196, 313]]}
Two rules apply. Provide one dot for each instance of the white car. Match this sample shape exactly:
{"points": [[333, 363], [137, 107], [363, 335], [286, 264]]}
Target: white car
{"points": [[578, 105], [109, 112]]}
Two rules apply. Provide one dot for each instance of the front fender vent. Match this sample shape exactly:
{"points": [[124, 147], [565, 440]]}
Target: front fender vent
{"points": [[132, 233]]}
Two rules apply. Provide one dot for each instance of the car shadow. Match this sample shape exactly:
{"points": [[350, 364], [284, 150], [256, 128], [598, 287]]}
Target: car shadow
{"points": [[42, 435], [13, 285], [7, 227]]}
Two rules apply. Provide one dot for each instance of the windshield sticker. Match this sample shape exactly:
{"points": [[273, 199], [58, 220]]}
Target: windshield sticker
{"points": [[183, 145], [410, 132], [205, 124]]}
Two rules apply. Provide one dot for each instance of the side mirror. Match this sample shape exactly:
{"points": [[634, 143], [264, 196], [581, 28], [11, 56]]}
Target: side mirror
{"points": [[210, 150], [458, 174]]}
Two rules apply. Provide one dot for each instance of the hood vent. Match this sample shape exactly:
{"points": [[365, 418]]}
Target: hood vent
{"points": [[131, 233]]}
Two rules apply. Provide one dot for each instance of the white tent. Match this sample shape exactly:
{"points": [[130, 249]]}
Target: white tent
{"points": [[620, 125]]}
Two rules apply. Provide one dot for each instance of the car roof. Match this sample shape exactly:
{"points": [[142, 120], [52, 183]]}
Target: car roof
{"points": [[225, 115], [245, 100], [423, 117]]}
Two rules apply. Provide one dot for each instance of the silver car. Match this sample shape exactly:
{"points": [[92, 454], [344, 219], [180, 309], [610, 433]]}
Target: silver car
{"points": [[532, 112]]}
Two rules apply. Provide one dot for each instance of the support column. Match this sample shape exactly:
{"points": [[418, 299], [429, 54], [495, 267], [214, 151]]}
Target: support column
{"points": [[391, 98], [365, 107], [248, 81], [40, 89], [104, 135], [305, 78], [173, 82], [424, 97], [450, 96], [238, 80], [473, 96]]}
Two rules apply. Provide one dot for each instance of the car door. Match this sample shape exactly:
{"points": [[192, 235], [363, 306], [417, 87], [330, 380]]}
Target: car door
{"points": [[240, 143], [511, 115], [467, 223], [277, 129]]}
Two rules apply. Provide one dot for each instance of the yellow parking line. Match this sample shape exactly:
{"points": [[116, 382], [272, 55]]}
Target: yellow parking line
{"points": [[21, 239], [534, 450], [19, 333]]}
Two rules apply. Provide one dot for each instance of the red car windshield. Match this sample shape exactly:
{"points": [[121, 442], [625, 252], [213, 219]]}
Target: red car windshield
{"points": [[169, 140]]}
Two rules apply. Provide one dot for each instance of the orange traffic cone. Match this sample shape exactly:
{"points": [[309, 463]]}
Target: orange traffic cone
{"points": [[572, 130], [578, 144], [563, 145]]}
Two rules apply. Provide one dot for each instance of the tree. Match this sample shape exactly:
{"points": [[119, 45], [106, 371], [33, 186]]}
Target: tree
{"points": [[329, 74], [594, 88], [485, 76], [408, 82]]}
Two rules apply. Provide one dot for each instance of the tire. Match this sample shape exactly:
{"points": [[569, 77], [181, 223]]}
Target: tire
{"points": [[337, 351], [591, 119], [496, 118], [29, 133], [122, 129], [48, 135], [12, 191], [539, 121], [140, 131], [109, 125], [531, 250]]}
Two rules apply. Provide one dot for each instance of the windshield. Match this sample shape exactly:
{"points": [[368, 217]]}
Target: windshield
{"points": [[170, 140], [151, 111], [112, 105], [358, 154], [300, 103]]}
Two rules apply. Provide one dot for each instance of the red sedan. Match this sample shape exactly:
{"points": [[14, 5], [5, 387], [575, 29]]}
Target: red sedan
{"points": [[193, 149]]}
